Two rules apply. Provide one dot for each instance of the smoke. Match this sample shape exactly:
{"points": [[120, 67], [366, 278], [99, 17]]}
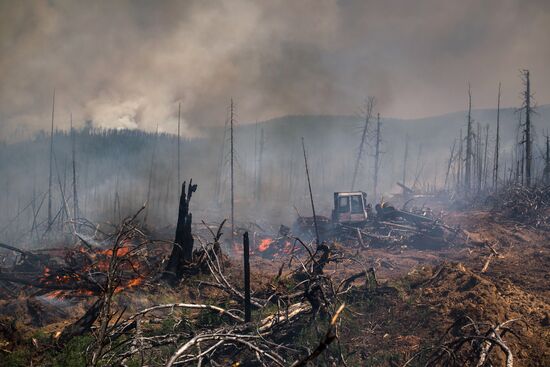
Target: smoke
{"points": [[128, 64]]}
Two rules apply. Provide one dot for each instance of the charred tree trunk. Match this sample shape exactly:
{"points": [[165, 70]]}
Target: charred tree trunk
{"points": [[497, 143], [247, 303], [459, 167], [82, 325], [259, 169], [449, 163], [369, 107], [75, 191], [485, 165], [311, 195], [182, 251], [479, 158], [377, 157], [528, 141], [404, 179], [469, 133], [179, 143], [50, 219], [231, 122]]}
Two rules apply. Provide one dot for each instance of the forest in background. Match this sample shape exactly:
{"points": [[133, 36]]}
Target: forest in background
{"points": [[119, 170]]}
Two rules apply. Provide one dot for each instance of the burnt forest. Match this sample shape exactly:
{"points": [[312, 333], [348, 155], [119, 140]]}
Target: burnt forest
{"points": [[295, 183]]}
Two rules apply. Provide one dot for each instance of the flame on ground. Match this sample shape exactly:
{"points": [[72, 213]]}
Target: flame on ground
{"points": [[264, 244]]}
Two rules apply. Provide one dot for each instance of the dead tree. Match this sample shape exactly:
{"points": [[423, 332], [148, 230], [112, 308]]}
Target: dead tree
{"points": [[377, 156], [221, 165], [485, 168], [259, 169], [182, 250], [449, 163], [179, 142], [151, 174], [459, 167], [369, 107], [246, 268], [231, 122], [469, 153], [311, 196], [75, 192], [51, 166], [405, 162], [497, 144], [528, 139], [546, 172], [479, 160]]}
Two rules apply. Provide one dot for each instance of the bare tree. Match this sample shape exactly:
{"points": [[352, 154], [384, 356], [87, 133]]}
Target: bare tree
{"points": [[377, 156], [546, 172], [368, 110], [527, 132], [485, 153], [405, 161], [179, 142], [497, 144], [51, 167], [231, 123], [75, 192], [469, 153]]}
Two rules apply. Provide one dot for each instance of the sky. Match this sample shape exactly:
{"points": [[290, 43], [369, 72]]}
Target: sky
{"points": [[129, 64]]}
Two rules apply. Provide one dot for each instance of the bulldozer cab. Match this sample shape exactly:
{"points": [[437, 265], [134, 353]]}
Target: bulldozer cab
{"points": [[350, 207]]}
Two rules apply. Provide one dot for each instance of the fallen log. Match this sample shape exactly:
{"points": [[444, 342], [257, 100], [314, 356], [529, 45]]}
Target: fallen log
{"points": [[56, 287], [82, 325]]}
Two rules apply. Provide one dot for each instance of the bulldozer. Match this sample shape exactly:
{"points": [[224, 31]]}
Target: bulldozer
{"points": [[351, 207]]}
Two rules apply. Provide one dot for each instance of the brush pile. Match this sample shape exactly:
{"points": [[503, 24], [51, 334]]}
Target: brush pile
{"points": [[528, 205]]}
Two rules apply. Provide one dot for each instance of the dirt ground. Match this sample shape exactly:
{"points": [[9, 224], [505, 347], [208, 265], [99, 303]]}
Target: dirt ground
{"points": [[436, 287], [425, 291]]}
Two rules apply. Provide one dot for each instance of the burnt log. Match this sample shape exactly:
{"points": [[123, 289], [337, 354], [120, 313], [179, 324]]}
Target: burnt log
{"points": [[182, 250], [36, 283], [83, 324]]}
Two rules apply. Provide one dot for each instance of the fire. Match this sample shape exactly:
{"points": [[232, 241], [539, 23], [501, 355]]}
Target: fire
{"points": [[134, 282], [122, 251], [264, 244], [55, 294]]}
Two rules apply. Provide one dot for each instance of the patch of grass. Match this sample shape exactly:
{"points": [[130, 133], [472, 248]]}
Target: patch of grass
{"points": [[18, 358], [74, 353]]}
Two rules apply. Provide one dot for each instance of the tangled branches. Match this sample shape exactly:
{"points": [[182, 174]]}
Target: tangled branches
{"points": [[268, 341], [527, 205], [474, 344]]}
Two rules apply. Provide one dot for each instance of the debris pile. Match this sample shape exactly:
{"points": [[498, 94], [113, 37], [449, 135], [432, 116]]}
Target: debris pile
{"points": [[418, 227], [529, 205]]}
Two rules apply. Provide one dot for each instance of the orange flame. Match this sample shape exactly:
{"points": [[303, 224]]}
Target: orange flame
{"points": [[264, 244]]}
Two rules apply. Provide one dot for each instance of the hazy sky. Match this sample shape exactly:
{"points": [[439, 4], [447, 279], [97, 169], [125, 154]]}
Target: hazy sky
{"points": [[128, 63]]}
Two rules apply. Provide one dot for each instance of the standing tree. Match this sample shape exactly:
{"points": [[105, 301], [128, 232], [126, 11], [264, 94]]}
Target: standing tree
{"points": [[231, 123], [377, 157], [459, 167], [75, 192], [485, 168], [405, 162], [50, 219], [546, 172], [469, 137], [367, 111], [528, 155], [497, 143], [182, 250]]}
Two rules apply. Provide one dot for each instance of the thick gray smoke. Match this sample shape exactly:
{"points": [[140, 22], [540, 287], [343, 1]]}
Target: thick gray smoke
{"points": [[129, 63]]}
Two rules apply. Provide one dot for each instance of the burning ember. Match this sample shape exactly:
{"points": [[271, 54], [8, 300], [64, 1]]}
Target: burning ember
{"points": [[85, 267], [272, 248]]}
